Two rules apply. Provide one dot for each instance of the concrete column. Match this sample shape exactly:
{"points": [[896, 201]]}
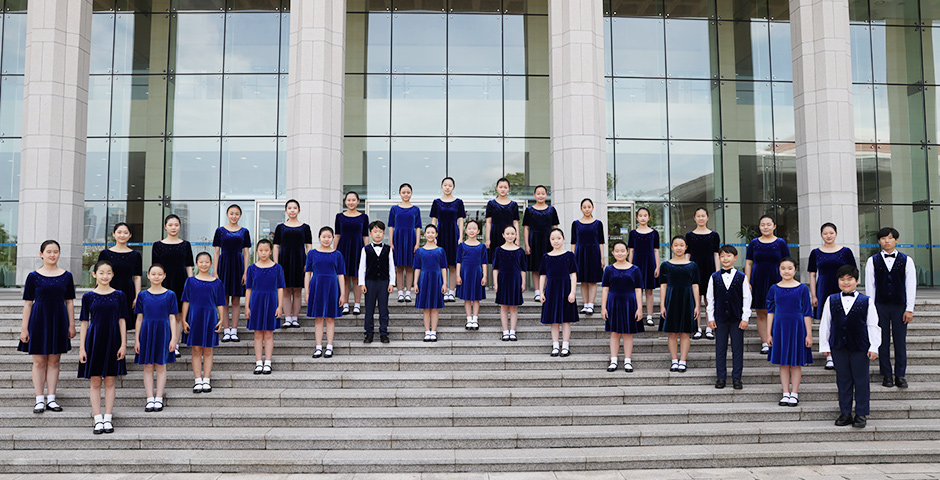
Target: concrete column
{"points": [[827, 188], [577, 108], [55, 111], [315, 108]]}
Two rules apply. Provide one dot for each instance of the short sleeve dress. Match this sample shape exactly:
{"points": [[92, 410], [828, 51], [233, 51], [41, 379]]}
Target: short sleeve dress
{"points": [[448, 232], [621, 299], [323, 292], [825, 265], [502, 216], [292, 252], [588, 237], [540, 223], [766, 268], [702, 250], [155, 332], [404, 239], [103, 334], [680, 301], [174, 257], [48, 325], [126, 266], [789, 306], [231, 259], [350, 231], [430, 262], [557, 270], [471, 260], [204, 298], [644, 246], [510, 265], [264, 283]]}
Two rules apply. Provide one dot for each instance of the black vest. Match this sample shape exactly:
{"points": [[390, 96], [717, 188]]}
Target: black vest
{"points": [[849, 331], [889, 285], [729, 302], [377, 265]]}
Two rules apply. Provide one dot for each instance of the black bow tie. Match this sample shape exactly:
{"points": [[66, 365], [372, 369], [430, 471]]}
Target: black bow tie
{"points": [[891, 255], [723, 271], [852, 294], [378, 244]]}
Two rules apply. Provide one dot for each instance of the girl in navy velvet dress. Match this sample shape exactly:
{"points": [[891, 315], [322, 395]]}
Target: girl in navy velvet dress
{"points": [[103, 342], [155, 340], [264, 300], [790, 315], [509, 281], [352, 233], [448, 214], [127, 264], [823, 264], [643, 243], [762, 269], [679, 304], [430, 281], [292, 240], [176, 257], [587, 244], [703, 250], [404, 228], [48, 323], [559, 279], [203, 310], [501, 212], [325, 280], [471, 274], [620, 305], [231, 244], [537, 223]]}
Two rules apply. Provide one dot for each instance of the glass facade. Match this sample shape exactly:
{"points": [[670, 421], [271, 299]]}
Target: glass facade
{"points": [[12, 67]]}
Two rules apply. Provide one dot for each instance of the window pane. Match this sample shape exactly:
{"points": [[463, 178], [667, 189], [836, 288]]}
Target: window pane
{"points": [[421, 5], [419, 43], [858, 11], [638, 47], [102, 43], [14, 44], [141, 43], [8, 221], [683, 219], [636, 8], [192, 168], [9, 169], [784, 123], [96, 169], [741, 221], [196, 43], [11, 106], [684, 8], [282, 105], [931, 42], [195, 105], [254, 5], [367, 104], [285, 42], [902, 173], [640, 108], [778, 9], [418, 105], [365, 167], [781, 54], [251, 42], [282, 167], [145, 220], [94, 232], [475, 105], [527, 6], [742, 9], [748, 170], [420, 162], [897, 54], [609, 106], [368, 42], [250, 105], [138, 105], [525, 43], [895, 12], [526, 104], [914, 221], [249, 168], [746, 111], [692, 49], [368, 5], [198, 222], [863, 108], [899, 114], [693, 109], [745, 48], [866, 172], [929, 13], [692, 168], [532, 156], [198, 5], [136, 169], [99, 106], [475, 162], [611, 172], [478, 6], [642, 168], [474, 44], [143, 5], [860, 44], [785, 171]]}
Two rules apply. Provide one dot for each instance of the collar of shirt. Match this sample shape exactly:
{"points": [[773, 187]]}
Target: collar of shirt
{"points": [[848, 301]]}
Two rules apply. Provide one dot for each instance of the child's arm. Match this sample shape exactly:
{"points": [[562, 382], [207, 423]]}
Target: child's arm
{"points": [[391, 274], [444, 283], [342, 289], [910, 288], [604, 292], [417, 239], [770, 328], [812, 289], [136, 290], [745, 306], [391, 237], [495, 279], [639, 304], [656, 261], [361, 272], [140, 320], [122, 352], [825, 323], [276, 251], [600, 247], [809, 331], [457, 274], [306, 287], [24, 328], [182, 318], [748, 265], [874, 331], [280, 303], [70, 311], [82, 355], [630, 255], [662, 303], [574, 285], [218, 325], [698, 301], [710, 303], [515, 223], [248, 303], [525, 239], [245, 263], [215, 262], [483, 282], [173, 332], [522, 273], [541, 284], [489, 233], [417, 275]]}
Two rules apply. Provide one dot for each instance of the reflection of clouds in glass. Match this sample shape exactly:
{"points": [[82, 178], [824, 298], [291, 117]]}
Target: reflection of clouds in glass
{"points": [[474, 44], [250, 105], [640, 108], [691, 109], [102, 43], [198, 40], [196, 105], [251, 42], [690, 48], [418, 42], [422, 162], [476, 162], [418, 105], [475, 105], [641, 170], [11, 106], [638, 48]]}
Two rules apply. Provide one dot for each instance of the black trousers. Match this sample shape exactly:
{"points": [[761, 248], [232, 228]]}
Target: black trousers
{"points": [[853, 380], [891, 317], [723, 330], [376, 292]]}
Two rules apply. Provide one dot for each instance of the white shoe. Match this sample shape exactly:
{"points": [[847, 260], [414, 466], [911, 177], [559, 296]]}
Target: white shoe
{"points": [[538, 297], [293, 323], [408, 297], [226, 338], [401, 297]]}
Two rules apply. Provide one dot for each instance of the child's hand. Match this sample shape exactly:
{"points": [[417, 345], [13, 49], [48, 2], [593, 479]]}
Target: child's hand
{"points": [[656, 272], [697, 313], [873, 355], [712, 324], [483, 282], [279, 312], [809, 341], [390, 288], [443, 289], [662, 312], [908, 316], [121, 353], [24, 336], [416, 247], [495, 286], [185, 327], [172, 346], [743, 325], [487, 243], [639, 315], [82, 356], [459, 281], [815, 301], [72, 332], [363, 288], [542, 298], [340, 302], [571, 298], [415, 289], [528, 250], [137, 345], [604, 313], [247, 312], [244, 277], [523, 285], [770, 340], [218, 327]]}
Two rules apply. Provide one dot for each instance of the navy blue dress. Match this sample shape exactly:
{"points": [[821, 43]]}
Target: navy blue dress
{"points": [[766, 269], [790, 306], [264, 283], [503, 216], [702, 250], [404, 238], [155, 332], [510, 265], [557, 270], [174, 257], [48, 325], [231, 259], [323, 292], [621, 299], [103, 334], [204, 298], [680, 300], [292, 252], [350, 231], [430, 262], [540, 223], [126, 266], [825, 265], [471, 260], [448, 232], [588, 237], [644, 247]]}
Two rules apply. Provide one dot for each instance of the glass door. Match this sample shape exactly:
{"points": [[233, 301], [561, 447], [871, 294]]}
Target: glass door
{"points": [[268, 214], [620, 220]]}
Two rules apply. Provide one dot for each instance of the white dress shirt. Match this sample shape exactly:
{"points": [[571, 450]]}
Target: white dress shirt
{"points": [[377, 248], [727, 278], [910, 278], [825, 323]]}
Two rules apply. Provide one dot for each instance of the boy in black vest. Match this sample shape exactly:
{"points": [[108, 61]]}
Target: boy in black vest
{"points": [[849, 329], [891, 280], [376, 279], [728, 307]]}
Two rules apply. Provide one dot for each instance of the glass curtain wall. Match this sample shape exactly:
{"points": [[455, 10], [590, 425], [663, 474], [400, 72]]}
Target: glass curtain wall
{"points": [[437, 88], [186, 115], [12, 67]]}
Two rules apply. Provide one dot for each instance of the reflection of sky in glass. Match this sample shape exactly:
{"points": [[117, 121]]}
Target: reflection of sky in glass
{"points": [[99, 106], [249, 106], [96, 169], [11, 106], [475, 105], [422, 162], [193, 168], [641, 170], [476, 162], [640, 108], [196, 105], [14, 44], [899, 114], [198, 41], [9, 169], [102, 43], [418, 105], [418, 42], [638, 48], [474, 44], [746, 112], [689, 43], [691, 171], [249, 167], [251, 42], [691, 109]]}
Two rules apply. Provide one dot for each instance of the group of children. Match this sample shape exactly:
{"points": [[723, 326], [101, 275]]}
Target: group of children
{"points": [[202, 309]]}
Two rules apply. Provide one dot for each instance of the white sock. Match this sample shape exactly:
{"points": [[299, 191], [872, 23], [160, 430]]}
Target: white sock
{"points": [[708, 329], [451, 292], [427, 332], [538, 292], [99, 418], [267, 362], [198, 380], [649, 317], [795, 395], [357, 305], [512, 332], [149, 399], [505, 332], [400, 292], [107, 417], [258, 362], [681, 362], [476, 319], [205, 380], [469, 318], [50, 398], [590, 305], [675, 360], [434, 332], [329, 346], [159, 399], [554, 344], [786, 394], [40, 399], [613, 359], [764, 345], [564, 345], [627, 360], [345, 305], [700, 330]]}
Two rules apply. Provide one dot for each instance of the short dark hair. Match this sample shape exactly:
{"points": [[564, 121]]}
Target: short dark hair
{"points": [[828, 224], [42, 248], [788, 259], [171, 217], [102, 263], [119, 225], [200, 254], [849, 270], [156, 265], [885, 231], [264, 241], [618, 242], [728, 249], [325, 229], [377, 224]]}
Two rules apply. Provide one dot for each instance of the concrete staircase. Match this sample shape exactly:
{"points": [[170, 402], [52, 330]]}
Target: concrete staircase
{"points": [[466, 403]]}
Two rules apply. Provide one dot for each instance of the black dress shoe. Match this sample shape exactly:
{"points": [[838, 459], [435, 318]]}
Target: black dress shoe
{"points": [[860, 421], [720, 383], [887, 382], [384, 338], [368, 339], [736, 383], [843, 420], [900, 382]]}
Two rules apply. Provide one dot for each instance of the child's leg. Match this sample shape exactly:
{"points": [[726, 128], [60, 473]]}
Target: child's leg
{"points": [[513, 317], [476, 308], [451, 277], [197, 361], [161, 380], [357, 292], [615, 344], [536, 281], [722, 331], [785, 378], [295, 297], [259, 338], [685, 341], [330, 328], [94, 395], [148, 380], [269, 345], [504, 317], [52, 374], [565, 332], [468, 307], [40, 364], [585, 291], [649, 302], [400, 277], [434, 319], [628, 345], [845, 380], [554, 333], [762, 325], [236, 311], [426, 313], [796, 374], [592, 293], [673, 347], [207, 362], [318, 331], [409, 276], [109, 394]]}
